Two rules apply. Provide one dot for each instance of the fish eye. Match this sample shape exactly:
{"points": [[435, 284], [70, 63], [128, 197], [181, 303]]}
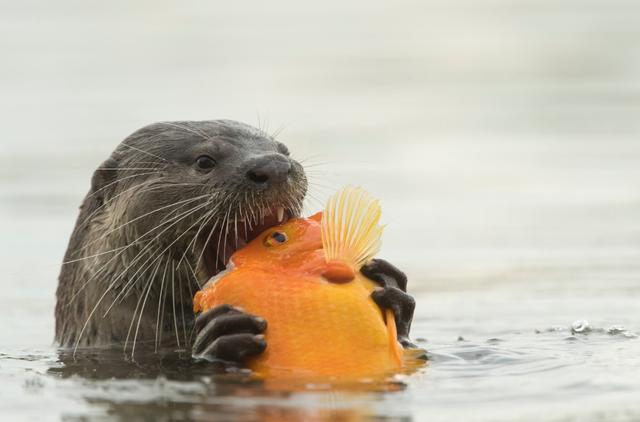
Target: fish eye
{"points": [[204, 162], [276, 238], [279, 237]]}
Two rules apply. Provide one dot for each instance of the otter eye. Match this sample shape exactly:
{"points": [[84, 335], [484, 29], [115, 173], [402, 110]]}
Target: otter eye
{"points": [[205, 162], [276, 238]]}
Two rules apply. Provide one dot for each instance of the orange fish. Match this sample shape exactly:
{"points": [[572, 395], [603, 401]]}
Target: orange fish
{"points": [[303, 277]]}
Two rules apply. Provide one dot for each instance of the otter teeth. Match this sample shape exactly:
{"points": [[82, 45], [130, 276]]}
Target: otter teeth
{"points": [[280, 214]]}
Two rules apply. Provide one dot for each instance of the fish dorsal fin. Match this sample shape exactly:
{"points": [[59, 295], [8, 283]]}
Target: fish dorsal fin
{"points": [[349, 226]]}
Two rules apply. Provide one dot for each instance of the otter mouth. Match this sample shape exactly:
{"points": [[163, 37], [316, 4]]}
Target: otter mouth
{"points": [[221, 243]]}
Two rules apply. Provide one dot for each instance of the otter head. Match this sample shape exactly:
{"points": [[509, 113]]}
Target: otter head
{"points": [[194, 192]]}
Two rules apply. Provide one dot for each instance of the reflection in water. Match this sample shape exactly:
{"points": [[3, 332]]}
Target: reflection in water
{"points": [[221, 412], [100, 364], [171, 385]]}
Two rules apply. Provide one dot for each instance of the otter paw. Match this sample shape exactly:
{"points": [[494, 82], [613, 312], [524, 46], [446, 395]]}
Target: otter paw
{"points": [[402, 306], [225, 333], [392, 295], [385, 274]]}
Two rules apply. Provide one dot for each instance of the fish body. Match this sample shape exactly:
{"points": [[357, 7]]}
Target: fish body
{"points": [[303, 277]]}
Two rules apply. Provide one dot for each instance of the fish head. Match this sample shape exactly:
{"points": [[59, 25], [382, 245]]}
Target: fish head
{"points": [[332, 244], [294, 246]]}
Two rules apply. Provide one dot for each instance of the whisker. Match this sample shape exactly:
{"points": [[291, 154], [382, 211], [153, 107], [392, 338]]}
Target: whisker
{"points": [[94, 255], [187, 129], [179, 218], [191, 293], [146, 264], [126, 168], [111, 285], [278, 131], [104, 235], [90, 216], [144, 302], [144, 152], [145, 190], [184, 323], [206, 242], [160, 301], [173, 301], [192, 244]]}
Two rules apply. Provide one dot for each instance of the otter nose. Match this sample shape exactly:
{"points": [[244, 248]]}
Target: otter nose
{"points": [[274, 168]]}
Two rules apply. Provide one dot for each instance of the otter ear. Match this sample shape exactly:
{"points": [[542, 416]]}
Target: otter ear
{"points": [[102, 182]]}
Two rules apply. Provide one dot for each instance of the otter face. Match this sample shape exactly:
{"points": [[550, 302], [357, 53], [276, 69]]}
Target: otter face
{"points": [[198, 191]]}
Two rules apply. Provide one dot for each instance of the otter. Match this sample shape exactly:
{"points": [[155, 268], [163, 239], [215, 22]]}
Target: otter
{"points": [[163, 215]]}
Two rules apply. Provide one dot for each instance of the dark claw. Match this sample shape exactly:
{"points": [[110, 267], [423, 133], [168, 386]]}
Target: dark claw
{"points": [[235, 347], [392, 295], [402, 306], [225, 324], [227, 333], [385, 274], [204, 318]]}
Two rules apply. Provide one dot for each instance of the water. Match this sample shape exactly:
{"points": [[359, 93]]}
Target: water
{"points": [[501, 137]]}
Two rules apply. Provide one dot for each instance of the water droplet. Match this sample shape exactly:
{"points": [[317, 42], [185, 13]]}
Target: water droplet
{"points": [[580, 326], [615, 330]]}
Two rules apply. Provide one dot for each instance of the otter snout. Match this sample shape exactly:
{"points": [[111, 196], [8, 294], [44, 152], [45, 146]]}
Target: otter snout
{"points": [[268, 169]]}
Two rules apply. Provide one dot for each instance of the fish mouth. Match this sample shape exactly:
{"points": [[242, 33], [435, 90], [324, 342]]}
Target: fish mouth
{"points": [[219, 244]]}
